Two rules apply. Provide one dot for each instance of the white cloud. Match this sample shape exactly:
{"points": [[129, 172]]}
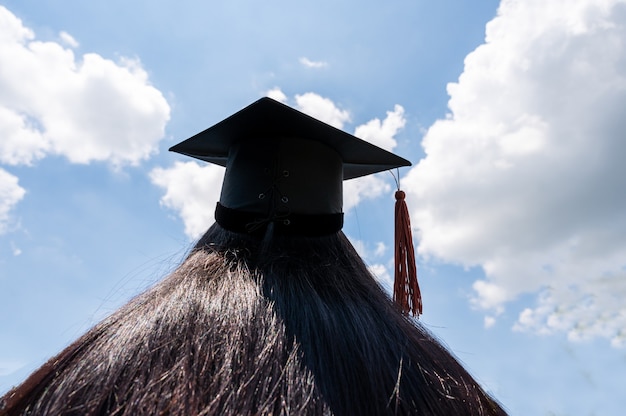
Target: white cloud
{"points": [[359, 246], [68, 40], [313, 64], [15, 249], [381, 274], [276, 94], [489, 321], [88, 109], [22, 142], [365, 251], [10, 194], [380, 250], [322, 109], [192, 191], [382, 133], [359, 189], [380, 271], [525, 177]]}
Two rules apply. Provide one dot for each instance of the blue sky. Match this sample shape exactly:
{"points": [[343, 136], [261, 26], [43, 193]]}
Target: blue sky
{"points": [[510, 111]]}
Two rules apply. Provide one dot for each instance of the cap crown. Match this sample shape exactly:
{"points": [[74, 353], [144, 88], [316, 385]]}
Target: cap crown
{"points": [[284, 167]]}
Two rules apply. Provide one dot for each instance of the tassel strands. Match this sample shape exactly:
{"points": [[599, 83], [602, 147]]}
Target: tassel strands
{"points": [[406, 291]]}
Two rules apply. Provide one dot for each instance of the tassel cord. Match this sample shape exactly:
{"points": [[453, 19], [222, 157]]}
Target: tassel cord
{"points": [[406, 288]]}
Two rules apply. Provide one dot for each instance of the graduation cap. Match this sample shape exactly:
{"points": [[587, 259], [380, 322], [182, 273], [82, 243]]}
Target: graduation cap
{"points": [[284, 167]]}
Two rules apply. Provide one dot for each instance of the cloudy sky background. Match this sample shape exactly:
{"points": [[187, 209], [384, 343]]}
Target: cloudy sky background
{"points": [[511, 111]]}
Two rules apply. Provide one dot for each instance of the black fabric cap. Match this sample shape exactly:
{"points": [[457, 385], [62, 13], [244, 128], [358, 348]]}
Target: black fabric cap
{"points": [[285, 168], [270, 118]]}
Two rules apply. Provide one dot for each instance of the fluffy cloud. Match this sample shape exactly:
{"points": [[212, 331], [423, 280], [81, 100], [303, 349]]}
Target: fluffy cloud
{"points": [[10, 194], [87, 109], [306, 62], [525, 176], [192, 190], [322, 109], [359, 189], [385, 279], [372, 256], [382, 133], [68, 39], [276, 94]]}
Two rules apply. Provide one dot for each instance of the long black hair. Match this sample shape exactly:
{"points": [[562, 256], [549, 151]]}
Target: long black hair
{"points": [[280, 325]]}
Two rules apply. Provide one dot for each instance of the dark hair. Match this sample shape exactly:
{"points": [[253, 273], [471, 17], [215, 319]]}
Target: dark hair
{"points": [[284, 325]]}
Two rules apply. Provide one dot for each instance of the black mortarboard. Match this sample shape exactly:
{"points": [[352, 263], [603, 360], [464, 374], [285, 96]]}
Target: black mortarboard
{"points": [[284, 167]]}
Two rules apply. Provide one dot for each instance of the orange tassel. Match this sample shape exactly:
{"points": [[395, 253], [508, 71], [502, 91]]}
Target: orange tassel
{"points": [[406, 291]]}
